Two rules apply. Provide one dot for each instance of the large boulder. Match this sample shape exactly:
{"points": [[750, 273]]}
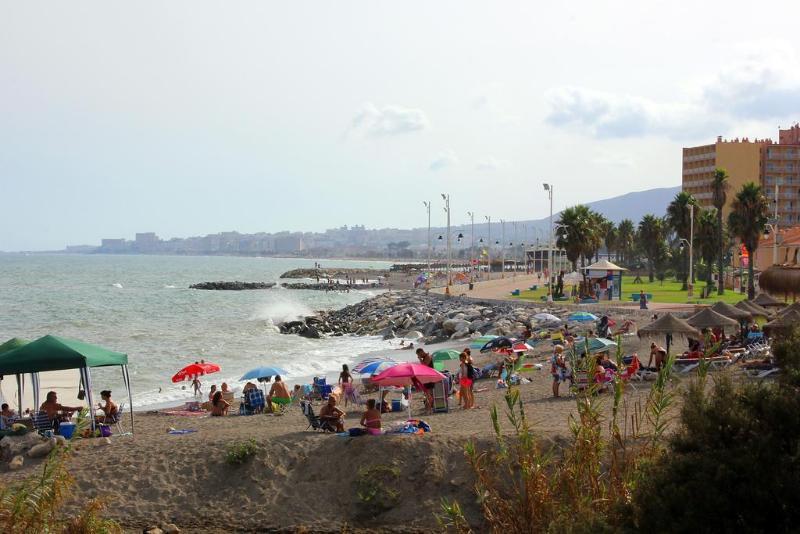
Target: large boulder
{"points": [[42, 449], [451, 326], [11, 446], [460, 334], [16, 463]]}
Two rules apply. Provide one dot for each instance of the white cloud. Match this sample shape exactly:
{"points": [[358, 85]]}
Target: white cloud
{"points": [[372, 121], [443, 160], [491, 164], [760, 86]]}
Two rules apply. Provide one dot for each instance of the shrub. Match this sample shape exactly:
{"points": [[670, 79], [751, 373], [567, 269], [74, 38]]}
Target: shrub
{"points": [[240, 451], [733, 463], [376, 489]]}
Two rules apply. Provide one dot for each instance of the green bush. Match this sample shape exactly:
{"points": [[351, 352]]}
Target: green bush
{"points": [[240, 451], [376, 489], [734, 462]]}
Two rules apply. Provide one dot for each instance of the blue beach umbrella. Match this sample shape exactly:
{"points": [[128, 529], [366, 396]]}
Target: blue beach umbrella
{"points": [[479, 342], [582, 317], [373, 367], [265, 371]]}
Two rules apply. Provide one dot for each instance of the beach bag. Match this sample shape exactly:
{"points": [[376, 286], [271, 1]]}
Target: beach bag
{"points": [[105, 431], [357, 432]]}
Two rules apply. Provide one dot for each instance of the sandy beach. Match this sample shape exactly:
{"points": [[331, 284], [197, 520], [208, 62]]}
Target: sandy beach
{"points": [[298, 477]]}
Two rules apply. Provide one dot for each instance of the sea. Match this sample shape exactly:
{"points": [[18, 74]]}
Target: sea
{"points": [[142, 306]]}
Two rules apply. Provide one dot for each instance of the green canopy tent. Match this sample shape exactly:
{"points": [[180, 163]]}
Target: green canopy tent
{"points": [[15, 343], [52, 353]]}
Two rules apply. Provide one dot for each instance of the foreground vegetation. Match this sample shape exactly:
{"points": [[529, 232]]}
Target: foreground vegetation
{"points": [[731, 463]]}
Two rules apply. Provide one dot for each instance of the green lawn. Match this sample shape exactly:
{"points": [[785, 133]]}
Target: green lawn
{"points": [[670, 292]]}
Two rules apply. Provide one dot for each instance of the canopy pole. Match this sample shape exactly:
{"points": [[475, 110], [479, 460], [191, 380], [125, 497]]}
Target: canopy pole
{"points": [[87, 381], [126, 377], [20, 392], [35, 385]]}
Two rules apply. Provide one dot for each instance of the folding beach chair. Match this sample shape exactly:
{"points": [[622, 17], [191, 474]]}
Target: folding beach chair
{"points": [[313, 419], [41, 422], [117, 420], [321, 388], [252, 402]]}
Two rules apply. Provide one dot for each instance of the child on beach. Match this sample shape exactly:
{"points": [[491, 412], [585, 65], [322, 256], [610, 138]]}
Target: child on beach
{"points": [[196, 385], [465, 376], [346, 383]]}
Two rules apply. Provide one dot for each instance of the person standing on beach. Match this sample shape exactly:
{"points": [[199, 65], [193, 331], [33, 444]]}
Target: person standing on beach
{"points": [[465, 377], [346, 383], [558, 368], [196, 385]]}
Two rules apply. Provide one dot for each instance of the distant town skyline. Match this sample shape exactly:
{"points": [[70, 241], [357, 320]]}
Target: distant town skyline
{"points": [[189, 117]]}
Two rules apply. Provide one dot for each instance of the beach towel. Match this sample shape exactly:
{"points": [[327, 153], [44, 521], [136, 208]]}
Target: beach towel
{"points": [[181, 432], [186, 413]]}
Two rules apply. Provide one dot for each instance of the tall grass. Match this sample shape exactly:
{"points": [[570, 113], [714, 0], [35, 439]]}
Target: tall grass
{"points": [[525, 485]]}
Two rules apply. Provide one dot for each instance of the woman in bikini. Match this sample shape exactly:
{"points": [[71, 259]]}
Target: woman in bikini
{"points": [[219, 406], [371, 419]]}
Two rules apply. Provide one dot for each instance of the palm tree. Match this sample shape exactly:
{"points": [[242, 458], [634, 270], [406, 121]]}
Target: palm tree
{"points": [[747, 221], [678, 219], [574, 238], [626, 233], [719, 196], [610, 238], [706, 240], [650, 238], [596, 234]]}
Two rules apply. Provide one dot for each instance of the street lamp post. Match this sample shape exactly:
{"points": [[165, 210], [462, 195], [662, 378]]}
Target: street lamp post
{"points": [[427, 204], [472, 244], [503, 247], [489, 248], [549, 189], [446, 198]]}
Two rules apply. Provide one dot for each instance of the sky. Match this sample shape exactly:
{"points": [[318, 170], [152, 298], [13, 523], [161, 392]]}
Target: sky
{"points": [[194, 117]]}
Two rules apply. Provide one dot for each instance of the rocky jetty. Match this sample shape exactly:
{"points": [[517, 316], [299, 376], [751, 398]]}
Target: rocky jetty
{"points": [[232, 286], [430, 318], [328, 287], [340, 273]]}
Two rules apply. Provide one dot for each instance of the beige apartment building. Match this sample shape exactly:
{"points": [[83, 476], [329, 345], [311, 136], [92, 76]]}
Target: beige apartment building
{"points": [[741, 158], [760, 160]]}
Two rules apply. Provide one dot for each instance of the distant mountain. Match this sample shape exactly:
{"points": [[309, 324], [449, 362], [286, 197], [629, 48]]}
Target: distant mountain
{"points": [[631, 206]]}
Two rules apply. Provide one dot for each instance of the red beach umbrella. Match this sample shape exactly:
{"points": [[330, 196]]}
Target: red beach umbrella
{"points": [[195, 369]]}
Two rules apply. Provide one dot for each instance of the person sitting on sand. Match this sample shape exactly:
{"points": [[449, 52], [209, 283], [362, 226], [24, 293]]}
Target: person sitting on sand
{"points": [[607, 363], [56, 411], [278, 394], [211, 393], [110, 410], [371, 418], [332, 416], [660, 355], [219, 406], [6, 415], [297, 393]]}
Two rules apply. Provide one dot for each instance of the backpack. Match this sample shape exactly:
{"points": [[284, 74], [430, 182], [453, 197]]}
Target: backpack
{"points": [[470, 371]]}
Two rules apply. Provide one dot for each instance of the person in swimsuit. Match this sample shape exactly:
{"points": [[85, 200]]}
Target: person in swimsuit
{"points": [[465, 381], [278, 393], [371, 418], [110, 410], [331, 415], [56, 411], [219, 406], [558, 368], [346, 383]]}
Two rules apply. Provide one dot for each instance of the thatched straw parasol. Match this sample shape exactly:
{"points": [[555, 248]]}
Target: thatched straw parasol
{"points": [[793, 307], [723, 308], [668, 325], [753, 308], [783, 324], [708, 318], [779, 279], [765, 300]]}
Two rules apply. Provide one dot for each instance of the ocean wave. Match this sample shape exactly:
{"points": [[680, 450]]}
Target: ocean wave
{"points": [[117, 285]]}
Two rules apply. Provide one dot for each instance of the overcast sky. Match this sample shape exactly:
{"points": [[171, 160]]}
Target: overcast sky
{"points": [[194, 117]]}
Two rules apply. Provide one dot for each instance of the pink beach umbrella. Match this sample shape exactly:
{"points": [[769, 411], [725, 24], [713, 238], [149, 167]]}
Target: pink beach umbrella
{"points": [[407, 374]]}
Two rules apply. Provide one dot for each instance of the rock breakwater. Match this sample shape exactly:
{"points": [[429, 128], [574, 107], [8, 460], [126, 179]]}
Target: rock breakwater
{"points": [[429, 318], [232, 286]]}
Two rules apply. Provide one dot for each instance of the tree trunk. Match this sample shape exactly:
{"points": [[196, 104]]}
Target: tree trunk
{"points": [[751, 285], [720, 256], [650, 269], [685, 273]]}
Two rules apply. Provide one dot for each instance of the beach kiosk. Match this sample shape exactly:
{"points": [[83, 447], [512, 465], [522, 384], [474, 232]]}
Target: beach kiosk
{"points": [[607, 278]]}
